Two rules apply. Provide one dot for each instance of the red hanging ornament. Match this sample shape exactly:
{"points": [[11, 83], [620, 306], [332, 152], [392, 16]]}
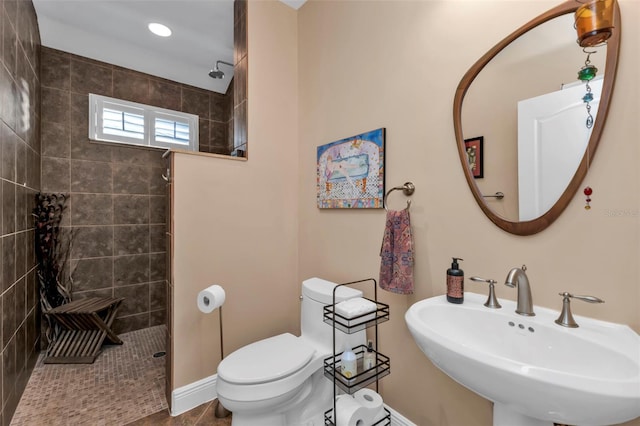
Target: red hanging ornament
{"points": [[588, 191]]}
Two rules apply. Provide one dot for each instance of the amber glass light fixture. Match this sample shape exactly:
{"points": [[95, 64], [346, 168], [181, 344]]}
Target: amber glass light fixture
{"points": [[594, 22]]}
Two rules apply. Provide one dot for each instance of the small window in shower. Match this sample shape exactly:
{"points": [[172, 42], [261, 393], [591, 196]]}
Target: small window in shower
{"points": [[118, 121]]}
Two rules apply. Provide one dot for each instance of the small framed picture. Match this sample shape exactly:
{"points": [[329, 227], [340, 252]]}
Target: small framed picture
{"points": [[475, 153]]}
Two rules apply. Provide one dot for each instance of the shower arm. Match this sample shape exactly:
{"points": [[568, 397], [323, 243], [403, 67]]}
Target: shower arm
{"points": [[223, 62]]}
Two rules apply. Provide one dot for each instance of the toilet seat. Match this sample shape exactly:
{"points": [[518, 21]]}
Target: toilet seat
{"points": [[267, 360]]}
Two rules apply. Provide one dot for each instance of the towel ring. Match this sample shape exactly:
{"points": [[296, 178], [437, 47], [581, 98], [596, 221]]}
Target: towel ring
{"points": [[408, 188]]}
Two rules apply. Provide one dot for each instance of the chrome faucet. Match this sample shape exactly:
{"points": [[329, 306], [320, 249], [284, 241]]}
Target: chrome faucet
{"points": [[518, 278], [566, 319]]}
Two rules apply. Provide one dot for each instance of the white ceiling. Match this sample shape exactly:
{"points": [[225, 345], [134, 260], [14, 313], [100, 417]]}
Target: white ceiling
{"points": [[296, 4], [115, 31]]}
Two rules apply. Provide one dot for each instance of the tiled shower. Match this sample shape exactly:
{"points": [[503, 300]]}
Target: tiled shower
{"points": [[117, 193], [20, 181]]}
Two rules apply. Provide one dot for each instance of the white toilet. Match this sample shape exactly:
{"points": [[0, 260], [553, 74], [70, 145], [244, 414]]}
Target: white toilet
{"points": [[279, 381]]}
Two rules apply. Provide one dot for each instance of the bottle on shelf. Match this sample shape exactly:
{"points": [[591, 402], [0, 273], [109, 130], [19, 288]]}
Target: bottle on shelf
{"points": [[348, 363], [369, 358]]}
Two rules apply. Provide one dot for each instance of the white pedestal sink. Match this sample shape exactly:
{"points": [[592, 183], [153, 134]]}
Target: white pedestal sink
{"points": [[535, 371]]}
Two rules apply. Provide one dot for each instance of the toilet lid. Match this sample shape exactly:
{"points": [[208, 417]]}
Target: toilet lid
{"points": [[266, 360]]}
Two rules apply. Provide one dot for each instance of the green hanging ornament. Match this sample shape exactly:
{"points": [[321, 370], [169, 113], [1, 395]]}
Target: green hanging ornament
{"points": [[587, 73]]}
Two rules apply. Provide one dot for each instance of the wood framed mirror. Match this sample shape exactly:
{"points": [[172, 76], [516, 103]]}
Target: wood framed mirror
{"points": [[486, 105]]}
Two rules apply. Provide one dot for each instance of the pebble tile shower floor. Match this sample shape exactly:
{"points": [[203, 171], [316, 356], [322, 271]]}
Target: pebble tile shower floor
{"points": [[124, 384]]}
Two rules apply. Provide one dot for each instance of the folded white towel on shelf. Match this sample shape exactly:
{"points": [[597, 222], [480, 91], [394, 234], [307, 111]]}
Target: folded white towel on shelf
{"points": [[354, 307]]}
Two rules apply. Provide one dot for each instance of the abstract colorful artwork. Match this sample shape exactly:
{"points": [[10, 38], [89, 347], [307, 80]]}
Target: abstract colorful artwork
{"points": [[350, 172]]}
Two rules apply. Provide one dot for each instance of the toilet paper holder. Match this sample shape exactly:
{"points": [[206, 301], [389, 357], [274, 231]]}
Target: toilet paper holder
{"points": [[209, 299]]}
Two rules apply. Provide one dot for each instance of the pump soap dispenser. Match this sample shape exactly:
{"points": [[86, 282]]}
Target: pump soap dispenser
{"points": [[455, 283]]}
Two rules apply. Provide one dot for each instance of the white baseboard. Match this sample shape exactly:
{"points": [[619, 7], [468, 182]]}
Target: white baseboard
{"points": [[192, 395], [398, 419], [197, 393]]}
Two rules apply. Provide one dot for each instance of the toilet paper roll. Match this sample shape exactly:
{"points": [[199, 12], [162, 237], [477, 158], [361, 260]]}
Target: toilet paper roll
{"points": [[350, 413], [371, 401], [379, 417], [211, 298]]}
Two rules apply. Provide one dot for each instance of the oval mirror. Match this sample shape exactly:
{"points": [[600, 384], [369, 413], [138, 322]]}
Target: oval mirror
{"points": [[520, 119]]}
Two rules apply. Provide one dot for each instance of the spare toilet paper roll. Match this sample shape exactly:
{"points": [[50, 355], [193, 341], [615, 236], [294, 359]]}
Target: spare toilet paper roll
{"points": [[211, 298], [350, 413], [371, 401]]}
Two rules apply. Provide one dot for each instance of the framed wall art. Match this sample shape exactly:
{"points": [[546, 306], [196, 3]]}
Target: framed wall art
{"points": [[474, 147], [350, 172]]}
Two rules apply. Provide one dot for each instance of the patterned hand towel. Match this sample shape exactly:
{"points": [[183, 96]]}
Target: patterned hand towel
{"points": [[396, 267]]}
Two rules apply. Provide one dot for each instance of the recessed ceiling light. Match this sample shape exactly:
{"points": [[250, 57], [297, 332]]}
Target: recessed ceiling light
{"points": [[159, 29]]}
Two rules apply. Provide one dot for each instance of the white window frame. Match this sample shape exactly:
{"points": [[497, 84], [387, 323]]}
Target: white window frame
{"points": [[98, 103]]}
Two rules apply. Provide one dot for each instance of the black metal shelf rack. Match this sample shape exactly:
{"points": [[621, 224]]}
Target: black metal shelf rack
{"points": [[332, 369]]}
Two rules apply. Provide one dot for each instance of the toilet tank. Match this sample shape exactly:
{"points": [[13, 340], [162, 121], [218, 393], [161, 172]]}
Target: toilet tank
{"points": [[316, 294]]}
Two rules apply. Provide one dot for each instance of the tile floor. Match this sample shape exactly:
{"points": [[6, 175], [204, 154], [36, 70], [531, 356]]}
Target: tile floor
{"points": [[200, 416], [124, 386]]}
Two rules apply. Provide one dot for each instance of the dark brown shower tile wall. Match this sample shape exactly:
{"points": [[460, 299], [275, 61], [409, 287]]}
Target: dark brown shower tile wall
{"points": [[118, 196], [19, 182], [240, 68]]}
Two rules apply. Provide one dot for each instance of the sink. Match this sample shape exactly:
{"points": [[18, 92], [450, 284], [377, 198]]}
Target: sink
{"points": [[535, 371]]}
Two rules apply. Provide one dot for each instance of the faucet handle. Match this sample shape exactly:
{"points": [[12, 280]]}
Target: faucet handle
{"points": [[492, 301], [566, 318], [482, 280], [590, 299]]}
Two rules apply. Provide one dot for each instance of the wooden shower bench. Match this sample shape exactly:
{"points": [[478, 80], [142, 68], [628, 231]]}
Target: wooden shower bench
{"points": [[84, 325]]}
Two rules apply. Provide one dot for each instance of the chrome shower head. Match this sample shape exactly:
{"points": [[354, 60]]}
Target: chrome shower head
{"points": [[216, 72]]}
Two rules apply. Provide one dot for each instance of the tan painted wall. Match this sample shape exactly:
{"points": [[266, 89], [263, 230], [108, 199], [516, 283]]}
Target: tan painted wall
{"points": [[337, 68], [236, 222], [396, 64]]}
